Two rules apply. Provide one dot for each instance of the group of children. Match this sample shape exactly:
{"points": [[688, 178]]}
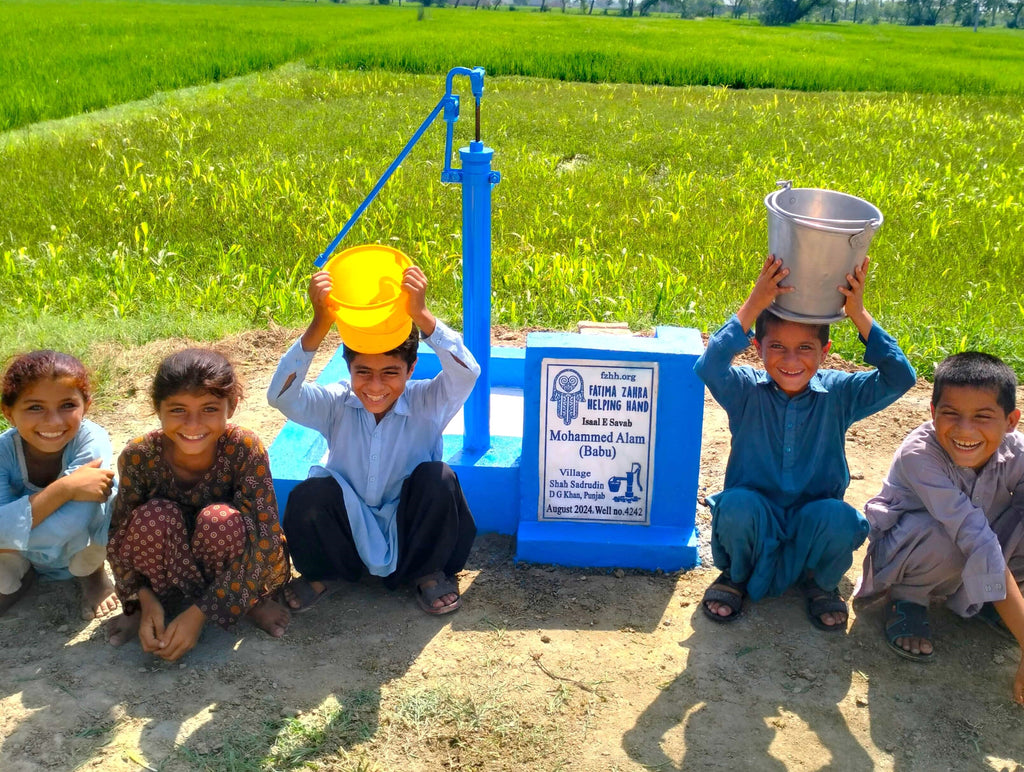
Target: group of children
{"points": [[189, 524], [949, 520]]}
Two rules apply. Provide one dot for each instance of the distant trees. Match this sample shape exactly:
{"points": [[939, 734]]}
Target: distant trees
{"points": [[782, 12], [779, 12], [739, 7], [1013, 12], [923, 12]]}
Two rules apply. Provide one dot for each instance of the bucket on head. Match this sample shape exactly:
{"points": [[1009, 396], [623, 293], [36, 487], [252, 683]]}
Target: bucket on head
{"points": [[820, 236], [369, 305]]}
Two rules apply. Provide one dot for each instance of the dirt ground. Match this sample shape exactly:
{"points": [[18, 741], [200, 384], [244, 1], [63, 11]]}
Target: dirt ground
{"points": [[544, 668]]}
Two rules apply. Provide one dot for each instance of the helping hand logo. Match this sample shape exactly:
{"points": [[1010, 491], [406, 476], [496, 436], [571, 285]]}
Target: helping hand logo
{"points": [[567, 394]]}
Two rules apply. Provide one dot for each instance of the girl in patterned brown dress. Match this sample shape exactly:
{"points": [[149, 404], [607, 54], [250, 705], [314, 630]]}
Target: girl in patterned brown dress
{"points": [[194, 533]]}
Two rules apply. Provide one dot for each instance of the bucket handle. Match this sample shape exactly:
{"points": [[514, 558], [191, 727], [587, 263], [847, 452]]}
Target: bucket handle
{"points": [[863, 238], [784, 184]]}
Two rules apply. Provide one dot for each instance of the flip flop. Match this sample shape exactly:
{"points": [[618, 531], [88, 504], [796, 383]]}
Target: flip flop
{"points": [[443, 585], [304, 593], [727, 592], [821, 601], [27, 580], [904, 619]]}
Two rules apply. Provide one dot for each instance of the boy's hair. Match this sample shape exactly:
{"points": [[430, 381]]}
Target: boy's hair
{"points": [[406, 350], [766, 320], [977, 370], [196, 371], [26, 369]]}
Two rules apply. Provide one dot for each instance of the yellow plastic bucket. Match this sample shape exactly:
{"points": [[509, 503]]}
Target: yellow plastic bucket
{"points": [[367, 300]]}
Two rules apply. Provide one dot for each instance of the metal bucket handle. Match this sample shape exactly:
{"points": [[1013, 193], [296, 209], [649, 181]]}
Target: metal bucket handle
{"points": [[858, 240], [863, 238]]}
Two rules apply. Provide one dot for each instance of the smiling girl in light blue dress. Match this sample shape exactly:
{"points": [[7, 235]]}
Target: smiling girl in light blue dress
{"points": [[55, 482]]}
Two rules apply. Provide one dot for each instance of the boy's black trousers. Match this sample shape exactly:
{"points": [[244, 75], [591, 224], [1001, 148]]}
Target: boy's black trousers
{"points": [[435, 528]]}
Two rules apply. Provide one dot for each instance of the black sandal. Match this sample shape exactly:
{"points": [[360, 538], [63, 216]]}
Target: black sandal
{"points": [[727, 592], [820, 602], [904, 619]]}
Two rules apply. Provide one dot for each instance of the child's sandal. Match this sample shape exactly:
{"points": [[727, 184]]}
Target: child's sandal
{"points": [[821, 601], [904, 619], [727, 592]]}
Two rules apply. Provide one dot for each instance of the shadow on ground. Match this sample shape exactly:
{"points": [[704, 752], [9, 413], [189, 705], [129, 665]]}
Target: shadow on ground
{"points": [[244, 700], [725, 712]]}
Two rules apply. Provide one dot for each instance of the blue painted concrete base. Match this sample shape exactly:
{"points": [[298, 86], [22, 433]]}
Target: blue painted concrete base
{"points": [[490, 481], [566, 544], [669, 540]]}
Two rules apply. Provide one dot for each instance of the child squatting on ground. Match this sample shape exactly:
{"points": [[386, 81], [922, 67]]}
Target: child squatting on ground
{"points": [[781, 519], [195, 534], [383, 501], [949, 520], [55, 481]]}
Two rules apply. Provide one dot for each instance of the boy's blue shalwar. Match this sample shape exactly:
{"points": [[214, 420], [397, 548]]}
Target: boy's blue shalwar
{"points": [[74, 525], [782, 511]]}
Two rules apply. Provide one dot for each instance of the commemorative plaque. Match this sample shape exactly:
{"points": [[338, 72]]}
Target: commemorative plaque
{"points": [[597, 424]]}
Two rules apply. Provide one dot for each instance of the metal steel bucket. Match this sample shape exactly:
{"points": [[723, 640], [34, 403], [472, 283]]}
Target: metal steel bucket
{"points": [[820, 236]]}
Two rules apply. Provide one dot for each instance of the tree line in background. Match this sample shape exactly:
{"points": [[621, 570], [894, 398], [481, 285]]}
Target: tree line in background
{"points": [[966, 13]]}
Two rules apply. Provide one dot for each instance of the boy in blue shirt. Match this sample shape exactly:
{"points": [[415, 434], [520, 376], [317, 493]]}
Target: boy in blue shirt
{"points": [[781, 519], [383, 501]]}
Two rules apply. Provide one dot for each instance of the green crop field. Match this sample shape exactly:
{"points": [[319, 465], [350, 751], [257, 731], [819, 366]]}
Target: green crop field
{"points": [[62, 57], [201, 212]]}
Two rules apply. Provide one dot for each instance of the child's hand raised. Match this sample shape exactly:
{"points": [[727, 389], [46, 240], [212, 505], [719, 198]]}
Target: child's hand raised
{"points": [[319, 291], [854, 305], [766, 289], [89, 482], [414, 282]]}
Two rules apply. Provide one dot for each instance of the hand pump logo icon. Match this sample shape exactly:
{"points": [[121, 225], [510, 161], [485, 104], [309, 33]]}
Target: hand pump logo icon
{"points": [[567, 395]]}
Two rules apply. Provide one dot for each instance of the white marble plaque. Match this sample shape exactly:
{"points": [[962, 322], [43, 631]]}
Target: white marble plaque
{"points": [[597, 423]]}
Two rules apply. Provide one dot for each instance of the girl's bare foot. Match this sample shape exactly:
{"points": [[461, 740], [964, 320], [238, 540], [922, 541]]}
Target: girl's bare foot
{"points": [[98, 597], [270, 616], [123, 628]]}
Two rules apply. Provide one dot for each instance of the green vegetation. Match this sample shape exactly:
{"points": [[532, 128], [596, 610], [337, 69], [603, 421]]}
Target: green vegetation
{"points": [[201, 213], [62, 57], [295, 743]]}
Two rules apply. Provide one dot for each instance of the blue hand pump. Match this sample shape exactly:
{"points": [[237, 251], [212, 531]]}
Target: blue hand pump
{"points": [[477, 179]]}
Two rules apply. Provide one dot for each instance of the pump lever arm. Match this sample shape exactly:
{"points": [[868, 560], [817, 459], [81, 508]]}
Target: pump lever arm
{"points": [[319, 262], [449, 103]]}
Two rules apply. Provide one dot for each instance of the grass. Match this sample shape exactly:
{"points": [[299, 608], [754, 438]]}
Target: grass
{"points": [[471, 726], [332, 733], [63, 57], [202, 211], [477, 728]]}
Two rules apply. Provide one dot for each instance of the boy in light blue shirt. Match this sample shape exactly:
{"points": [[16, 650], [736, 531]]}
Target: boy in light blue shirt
{"points": [[383, 502], [781, 519]]}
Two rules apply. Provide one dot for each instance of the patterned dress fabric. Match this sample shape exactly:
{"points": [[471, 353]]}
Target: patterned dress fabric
{"points": [[216, 540], [158, 544]]}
